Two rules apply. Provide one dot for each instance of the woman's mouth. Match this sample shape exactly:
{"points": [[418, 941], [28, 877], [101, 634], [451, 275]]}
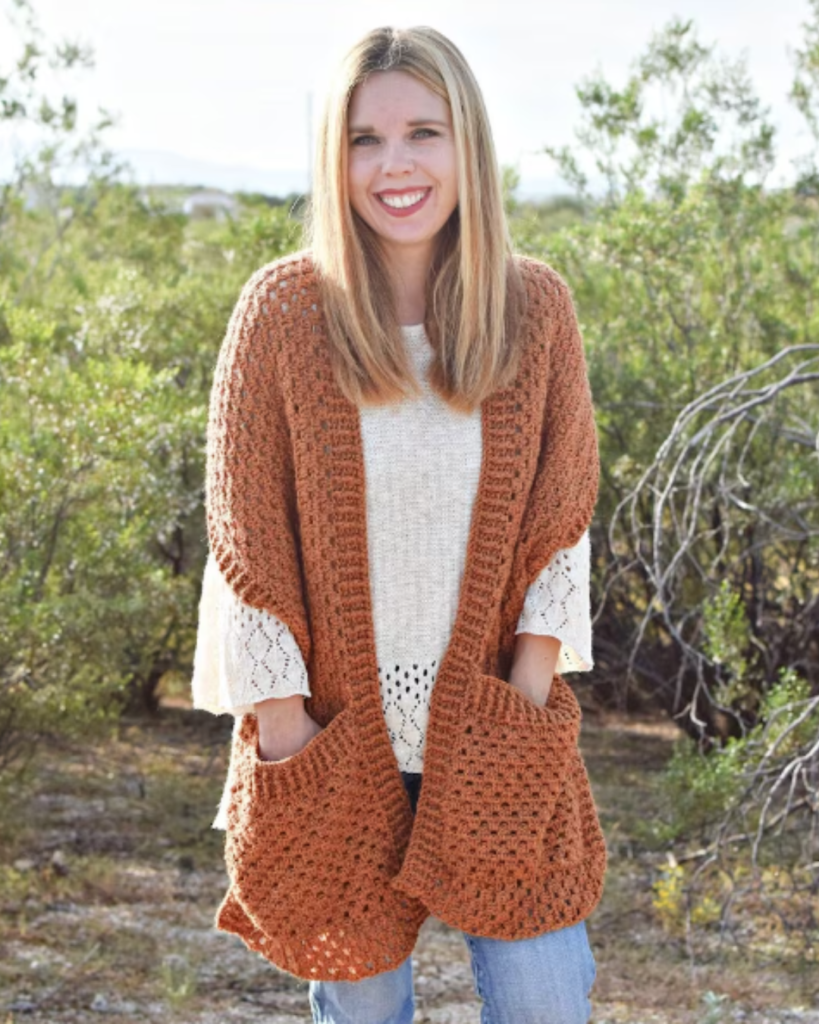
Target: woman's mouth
{"points": [[403, 204]]}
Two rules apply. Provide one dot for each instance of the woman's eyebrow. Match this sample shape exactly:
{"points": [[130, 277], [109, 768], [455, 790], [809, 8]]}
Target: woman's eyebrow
{"points": [[415, 123]]}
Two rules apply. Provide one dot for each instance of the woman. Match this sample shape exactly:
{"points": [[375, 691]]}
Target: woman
{"points": [[402, 466]]}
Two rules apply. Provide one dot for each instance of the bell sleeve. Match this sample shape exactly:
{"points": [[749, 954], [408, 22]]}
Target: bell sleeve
{"points": [[558, 604], [243, 655]]}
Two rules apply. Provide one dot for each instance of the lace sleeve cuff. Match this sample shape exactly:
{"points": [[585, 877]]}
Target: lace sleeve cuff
{"points": [[243, 655], [557, 604]]}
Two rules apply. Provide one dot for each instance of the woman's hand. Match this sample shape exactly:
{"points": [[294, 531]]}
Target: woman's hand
{"points": [[285, 728], [533, 666]]}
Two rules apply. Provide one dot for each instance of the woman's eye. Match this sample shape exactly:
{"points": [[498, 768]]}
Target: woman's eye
{"points": [[363, 140], [425, 132]]}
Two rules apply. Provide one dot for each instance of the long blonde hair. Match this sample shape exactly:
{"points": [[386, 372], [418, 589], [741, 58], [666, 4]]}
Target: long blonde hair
{"points": [[475, 297]]}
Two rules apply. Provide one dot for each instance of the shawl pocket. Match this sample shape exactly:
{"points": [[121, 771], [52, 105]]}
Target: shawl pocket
{"points": [[510, 813], [310, 855]]}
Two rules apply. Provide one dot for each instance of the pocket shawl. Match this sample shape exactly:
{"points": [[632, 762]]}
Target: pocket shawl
{"points": [[330, 875]]}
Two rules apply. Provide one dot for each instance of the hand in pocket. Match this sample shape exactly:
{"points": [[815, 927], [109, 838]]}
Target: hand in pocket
{"points": [[285, 728]]}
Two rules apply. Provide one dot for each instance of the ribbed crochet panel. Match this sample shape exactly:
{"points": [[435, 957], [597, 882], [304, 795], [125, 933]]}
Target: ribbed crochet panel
{"points": [[506, 841]]}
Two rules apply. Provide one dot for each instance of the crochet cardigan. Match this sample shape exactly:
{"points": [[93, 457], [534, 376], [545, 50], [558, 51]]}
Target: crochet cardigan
{"points": [[330, 875]]}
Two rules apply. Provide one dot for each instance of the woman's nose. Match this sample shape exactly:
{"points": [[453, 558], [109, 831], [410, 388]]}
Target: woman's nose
{"points": [[397, 158]]}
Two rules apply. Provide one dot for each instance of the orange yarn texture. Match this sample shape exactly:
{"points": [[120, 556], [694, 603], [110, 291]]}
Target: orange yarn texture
{"points": [[330, 874]]}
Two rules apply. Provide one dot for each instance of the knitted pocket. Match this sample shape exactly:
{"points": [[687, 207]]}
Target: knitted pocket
{"points": [[310, 855], [510, 812]]}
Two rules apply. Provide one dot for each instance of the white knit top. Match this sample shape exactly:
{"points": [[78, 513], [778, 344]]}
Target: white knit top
{"points": [[422, 464]]}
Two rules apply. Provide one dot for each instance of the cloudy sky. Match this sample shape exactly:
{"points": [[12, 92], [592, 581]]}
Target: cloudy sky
{"points": [[214, 84]]}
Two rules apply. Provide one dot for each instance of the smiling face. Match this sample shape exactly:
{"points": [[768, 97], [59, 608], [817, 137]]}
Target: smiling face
{"points": [[402, 167]]}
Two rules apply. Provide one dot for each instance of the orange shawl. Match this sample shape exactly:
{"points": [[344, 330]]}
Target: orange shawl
{"points": [[330, 875]]}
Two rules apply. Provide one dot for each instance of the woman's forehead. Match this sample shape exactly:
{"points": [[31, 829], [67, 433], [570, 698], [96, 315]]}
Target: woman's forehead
{"points": [[395, 93]]}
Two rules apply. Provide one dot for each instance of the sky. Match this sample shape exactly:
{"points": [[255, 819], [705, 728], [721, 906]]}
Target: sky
{"points": [[218, 89]]}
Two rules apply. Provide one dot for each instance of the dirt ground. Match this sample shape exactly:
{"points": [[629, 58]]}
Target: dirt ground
{"points": [[110, 876]]}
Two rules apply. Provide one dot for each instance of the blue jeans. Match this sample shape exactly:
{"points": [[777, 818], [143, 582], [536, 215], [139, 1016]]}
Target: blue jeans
{"points": [[543, 980]]}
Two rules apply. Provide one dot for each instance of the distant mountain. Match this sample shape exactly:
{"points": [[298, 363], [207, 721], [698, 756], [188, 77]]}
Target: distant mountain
{"points": [[541, 188], [154, 167]]}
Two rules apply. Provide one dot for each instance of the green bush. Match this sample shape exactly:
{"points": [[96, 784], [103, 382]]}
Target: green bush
{"points": [[706, 788]]}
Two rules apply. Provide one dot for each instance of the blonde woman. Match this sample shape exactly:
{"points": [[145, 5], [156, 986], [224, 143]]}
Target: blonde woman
{"points": [[402, 466]]}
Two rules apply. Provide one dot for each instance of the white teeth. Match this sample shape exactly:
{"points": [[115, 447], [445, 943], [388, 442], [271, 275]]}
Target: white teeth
{"points": [[399, 202]]}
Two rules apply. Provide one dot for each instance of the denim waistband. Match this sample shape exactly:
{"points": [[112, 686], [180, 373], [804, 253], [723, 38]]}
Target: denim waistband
{"points": [[412, 784]]}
